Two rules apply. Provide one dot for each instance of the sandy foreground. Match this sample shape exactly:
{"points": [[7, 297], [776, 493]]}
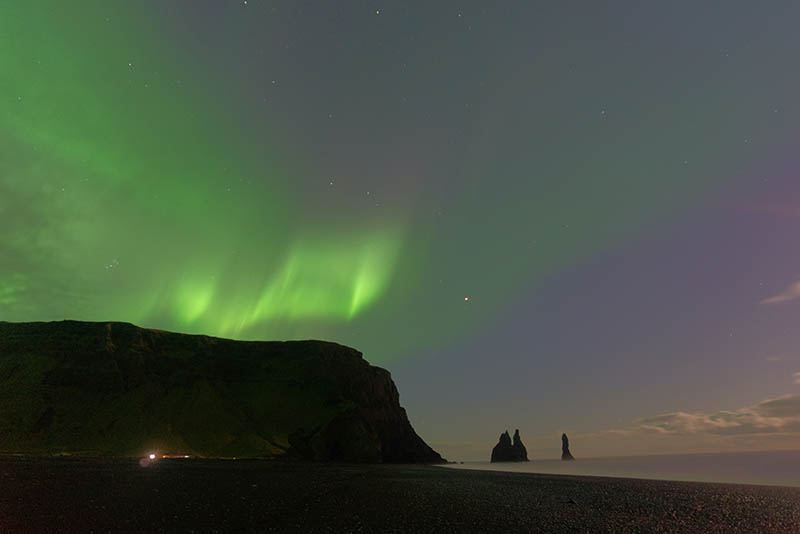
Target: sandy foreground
{"points": [[177, 495]]}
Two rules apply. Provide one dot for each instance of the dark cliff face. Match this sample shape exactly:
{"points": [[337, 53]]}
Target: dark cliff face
{"points": [[114, 388]]}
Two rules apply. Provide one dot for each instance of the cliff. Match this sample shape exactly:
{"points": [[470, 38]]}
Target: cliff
{"points": [[116, 389]]}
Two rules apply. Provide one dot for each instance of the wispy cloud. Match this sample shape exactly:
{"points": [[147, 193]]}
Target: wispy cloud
{"points": [[769, 416], [790, 293], [796, 378]]}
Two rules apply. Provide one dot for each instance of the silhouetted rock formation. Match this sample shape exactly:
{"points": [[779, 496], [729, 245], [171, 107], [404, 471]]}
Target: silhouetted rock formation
{"points": [[505, 451], [519, 448], [565, 454], [116, 389], [502, 451]]}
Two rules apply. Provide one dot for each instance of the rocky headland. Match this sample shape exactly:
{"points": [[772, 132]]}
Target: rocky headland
{"points": [[115, 389]]}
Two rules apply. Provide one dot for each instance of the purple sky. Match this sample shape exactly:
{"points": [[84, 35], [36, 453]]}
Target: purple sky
{"points": [[670, 322]]}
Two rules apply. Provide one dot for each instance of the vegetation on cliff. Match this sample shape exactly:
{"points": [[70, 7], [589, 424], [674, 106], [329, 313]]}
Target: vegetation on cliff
{"points": [[117, 389]]}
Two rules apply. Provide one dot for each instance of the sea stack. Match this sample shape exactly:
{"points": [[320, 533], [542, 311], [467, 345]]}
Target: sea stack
{"points": [[565, 454], [506, 451], [520, 451]]}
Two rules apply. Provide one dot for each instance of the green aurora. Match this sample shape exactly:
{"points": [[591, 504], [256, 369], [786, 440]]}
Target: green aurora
{"points": [[118, 192], [135, 190]]}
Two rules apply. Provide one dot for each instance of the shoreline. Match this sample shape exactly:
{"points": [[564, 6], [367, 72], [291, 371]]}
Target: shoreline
{"points": [[762, 468], [476, 466], [466, 467], [114, 494]]}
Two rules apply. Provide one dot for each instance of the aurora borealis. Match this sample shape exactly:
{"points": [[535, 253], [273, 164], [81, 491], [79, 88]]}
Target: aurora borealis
{"points": [[578, 207], [136, 209]]}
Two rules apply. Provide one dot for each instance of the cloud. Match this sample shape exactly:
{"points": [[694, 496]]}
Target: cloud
{"points": [[787, 406], [796, 378], [790, 293], [769, 416]]}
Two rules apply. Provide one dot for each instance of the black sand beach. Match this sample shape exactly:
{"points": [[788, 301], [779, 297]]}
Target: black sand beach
{"points": [[104, 495]]}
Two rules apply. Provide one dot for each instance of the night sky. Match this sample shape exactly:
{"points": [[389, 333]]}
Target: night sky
{"points": [[559, 217]]}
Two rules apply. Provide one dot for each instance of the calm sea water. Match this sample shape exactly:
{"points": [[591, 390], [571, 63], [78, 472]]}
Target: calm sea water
{"points": [[778, 468]]}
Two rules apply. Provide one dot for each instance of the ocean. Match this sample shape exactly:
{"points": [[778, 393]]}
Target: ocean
{"points": [[774, 468]]}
